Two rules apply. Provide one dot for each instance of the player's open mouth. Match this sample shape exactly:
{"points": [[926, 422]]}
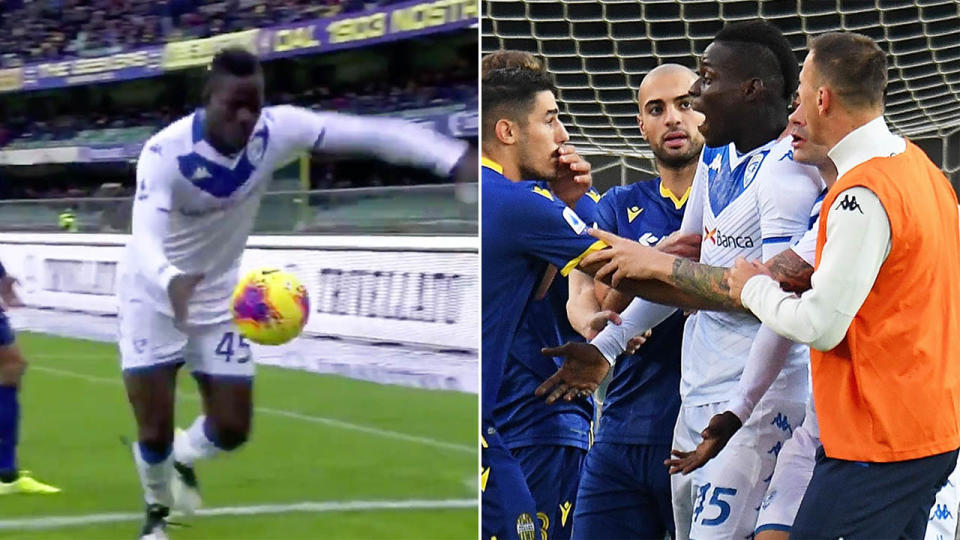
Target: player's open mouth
{"points": [[797, 141], [675, 139]]}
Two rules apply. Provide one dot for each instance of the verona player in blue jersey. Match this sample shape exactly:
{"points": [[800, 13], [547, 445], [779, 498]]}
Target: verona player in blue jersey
{"points": [[12, 366], [525, 228], [199, 185], [625, 489], [550, 442]]}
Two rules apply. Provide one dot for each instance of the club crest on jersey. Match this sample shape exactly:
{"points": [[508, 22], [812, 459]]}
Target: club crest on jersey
{"points": [[526, 529], [257, 147], [574, 220], [752, 167], [633, 212]]}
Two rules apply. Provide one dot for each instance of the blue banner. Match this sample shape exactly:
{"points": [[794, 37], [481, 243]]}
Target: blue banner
{"points": [[114, 67]]}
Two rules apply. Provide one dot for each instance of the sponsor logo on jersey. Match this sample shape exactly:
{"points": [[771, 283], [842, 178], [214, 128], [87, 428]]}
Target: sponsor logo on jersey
{"points": [[648, 239], [941, 511], [783, 423], [574, 220], [849, 203], [725, 240], [565, 512], [633, 212], [200, 173]]}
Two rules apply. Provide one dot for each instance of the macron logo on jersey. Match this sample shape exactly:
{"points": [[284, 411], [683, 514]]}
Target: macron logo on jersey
{"points": [[633, 212], [726, 240]]}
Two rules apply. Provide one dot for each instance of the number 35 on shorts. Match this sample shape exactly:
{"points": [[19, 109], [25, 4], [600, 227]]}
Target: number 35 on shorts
{"points": [[714, 510], [233, 347]]}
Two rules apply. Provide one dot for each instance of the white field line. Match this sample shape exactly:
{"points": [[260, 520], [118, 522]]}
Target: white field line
{"points": [[55, 522], [340, 424]]}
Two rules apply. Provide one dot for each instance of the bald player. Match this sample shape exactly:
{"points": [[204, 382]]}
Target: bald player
{"points": [[625, 489]]}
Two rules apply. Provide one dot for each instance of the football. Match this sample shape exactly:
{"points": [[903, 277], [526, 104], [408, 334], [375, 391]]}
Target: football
{"points": [[270, 306]]}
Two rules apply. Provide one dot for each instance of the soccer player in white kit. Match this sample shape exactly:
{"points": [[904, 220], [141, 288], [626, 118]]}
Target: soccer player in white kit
{"points": [[748, 196], [199, 184]]}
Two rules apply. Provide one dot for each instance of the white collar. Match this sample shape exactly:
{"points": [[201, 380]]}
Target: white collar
{"points": [[868, 141], [736, 158]]}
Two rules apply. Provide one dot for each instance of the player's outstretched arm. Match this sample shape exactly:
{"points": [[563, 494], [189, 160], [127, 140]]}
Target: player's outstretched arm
{"points": [[390, 139]]}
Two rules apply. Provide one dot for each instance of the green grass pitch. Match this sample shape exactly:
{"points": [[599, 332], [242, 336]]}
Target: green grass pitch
{"points": [[330, 441]]}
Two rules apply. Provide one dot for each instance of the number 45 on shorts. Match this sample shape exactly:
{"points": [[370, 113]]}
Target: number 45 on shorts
{"points": [[230, 353], [709, 517]]}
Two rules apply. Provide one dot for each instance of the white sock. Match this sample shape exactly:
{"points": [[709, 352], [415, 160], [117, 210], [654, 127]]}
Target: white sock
{"points": [[155, 478], [193, 444]]}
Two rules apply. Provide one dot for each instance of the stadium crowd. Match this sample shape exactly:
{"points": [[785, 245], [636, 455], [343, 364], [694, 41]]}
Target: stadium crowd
{"points": [[74, 28]]}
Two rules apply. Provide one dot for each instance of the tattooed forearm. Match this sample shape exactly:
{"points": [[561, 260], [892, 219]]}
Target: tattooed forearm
{"points": [[792, 272], [706, 283]]}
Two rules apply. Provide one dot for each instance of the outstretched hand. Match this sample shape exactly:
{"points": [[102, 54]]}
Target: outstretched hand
{"points": [[622, 259], [583, 369], [717, 434]]}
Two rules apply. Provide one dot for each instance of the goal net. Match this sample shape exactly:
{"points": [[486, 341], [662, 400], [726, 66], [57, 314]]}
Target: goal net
{"points": [[599, 51]]}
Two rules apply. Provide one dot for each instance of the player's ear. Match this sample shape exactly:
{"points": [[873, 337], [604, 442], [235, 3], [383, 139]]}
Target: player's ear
{"points": [[752, 88], [640, 124], [506, 131], [824, 99]]}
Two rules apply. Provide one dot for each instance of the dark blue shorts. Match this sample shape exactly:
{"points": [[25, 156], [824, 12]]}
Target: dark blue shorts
{"points": [[7, 336], [624, 493], [508, 510], [552, 473], [858, 500]]}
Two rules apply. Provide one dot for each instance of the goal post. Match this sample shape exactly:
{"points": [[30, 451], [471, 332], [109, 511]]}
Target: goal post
{"points": [[599, 50]]}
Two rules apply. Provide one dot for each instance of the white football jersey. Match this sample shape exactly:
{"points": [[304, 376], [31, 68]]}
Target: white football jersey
{"points": [[195, 208], [750, 205]]}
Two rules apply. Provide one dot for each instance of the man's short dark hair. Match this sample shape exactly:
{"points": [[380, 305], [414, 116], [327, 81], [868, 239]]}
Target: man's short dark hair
{"points": [[853, 65], [766, 52], [233, 61], [505, 59], [510, 93]]}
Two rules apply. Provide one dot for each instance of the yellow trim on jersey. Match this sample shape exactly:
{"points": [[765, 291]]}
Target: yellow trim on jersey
{"points": [[596, 246], [491, 164], [677, 203], [483, 442], [484, 476], [545, 192], [594, 194]]}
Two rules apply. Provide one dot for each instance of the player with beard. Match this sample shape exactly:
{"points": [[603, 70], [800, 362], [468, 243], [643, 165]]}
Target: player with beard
{"points": [[525, 228], [548, 442], [625, 490]]}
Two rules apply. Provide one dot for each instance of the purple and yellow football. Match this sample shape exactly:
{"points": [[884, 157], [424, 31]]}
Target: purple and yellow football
{"points": [[270, 306]]}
